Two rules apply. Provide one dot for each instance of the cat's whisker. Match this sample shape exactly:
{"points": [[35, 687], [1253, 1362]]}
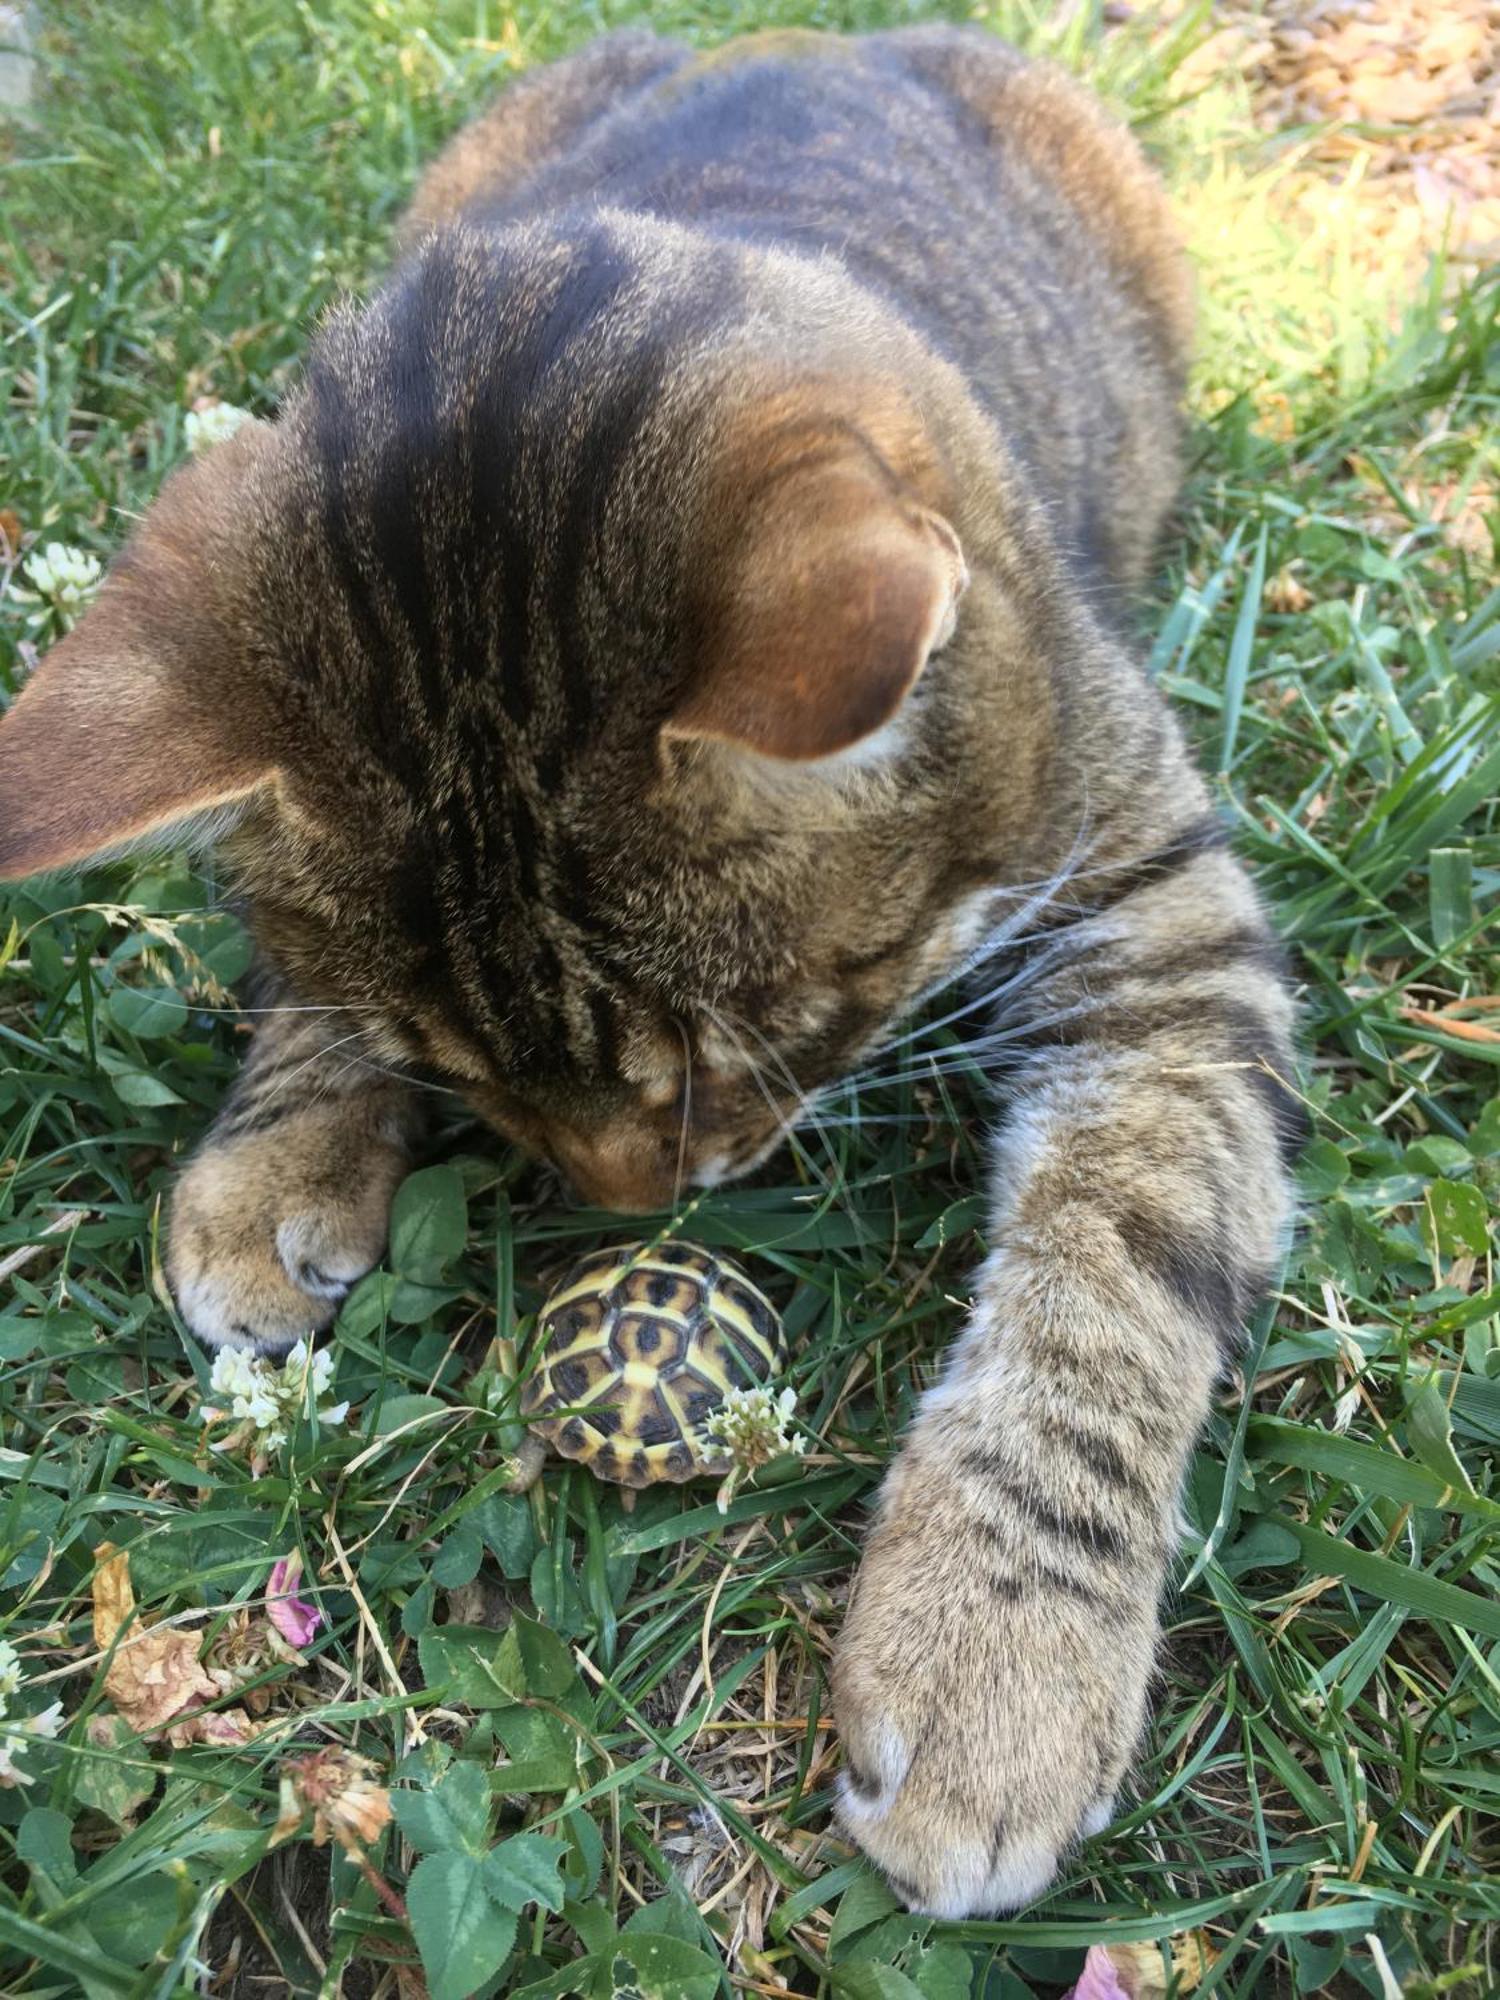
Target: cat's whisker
{"points": [[372, 1064], [922, 1031], [687, 1109], [755, 1068], [786, 1121], [805, 1102], [319, 1054], [1009, 934], [963, 1062], [990, 997], [997, 1047], [858, 1122], [1052, 941], [259, 1012]]}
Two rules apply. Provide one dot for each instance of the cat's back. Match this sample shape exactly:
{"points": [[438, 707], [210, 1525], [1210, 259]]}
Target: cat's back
{"points": [[936, 160], [989, 198]]}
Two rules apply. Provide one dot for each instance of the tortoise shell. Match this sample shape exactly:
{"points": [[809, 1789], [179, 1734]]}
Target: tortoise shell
{"points": [[637, 1348]]}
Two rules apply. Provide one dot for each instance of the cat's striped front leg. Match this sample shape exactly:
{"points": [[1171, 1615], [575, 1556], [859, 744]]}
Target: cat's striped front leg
{"points": [[286, 1201], [992, 1676]]}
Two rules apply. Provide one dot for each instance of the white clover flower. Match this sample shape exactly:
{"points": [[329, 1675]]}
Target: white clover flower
{"points": [[751, 1425], [234, 1372], [12, 1750], [300, 1366], [10, 1672], [318, 1364], [64, 576], [215, 425], [16, 1738], [265, 1400]]}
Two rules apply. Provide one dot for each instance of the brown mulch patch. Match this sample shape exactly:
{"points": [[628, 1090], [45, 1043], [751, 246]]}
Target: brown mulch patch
{"points": [[1422, 80], [1401, 97]]}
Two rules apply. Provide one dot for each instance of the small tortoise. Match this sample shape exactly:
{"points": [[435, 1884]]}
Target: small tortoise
{"points": [[637, 1347]]}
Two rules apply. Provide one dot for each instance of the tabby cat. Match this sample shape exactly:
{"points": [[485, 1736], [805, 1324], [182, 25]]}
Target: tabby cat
{"points": [[670, 627]]}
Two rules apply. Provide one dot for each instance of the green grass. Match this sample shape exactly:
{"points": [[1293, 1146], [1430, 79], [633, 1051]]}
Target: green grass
{"points": [[203, 180]]}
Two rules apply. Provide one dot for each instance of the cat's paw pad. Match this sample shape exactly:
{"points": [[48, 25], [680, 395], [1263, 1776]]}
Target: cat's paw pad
{"points": [[268, 1233], [986, 1715]]}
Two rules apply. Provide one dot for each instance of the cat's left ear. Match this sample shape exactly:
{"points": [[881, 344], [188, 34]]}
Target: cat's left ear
{"points": [[825, 616], [148, 716]]}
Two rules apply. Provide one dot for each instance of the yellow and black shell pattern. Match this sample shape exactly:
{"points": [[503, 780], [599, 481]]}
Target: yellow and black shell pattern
{"points": [[638, 1346]]}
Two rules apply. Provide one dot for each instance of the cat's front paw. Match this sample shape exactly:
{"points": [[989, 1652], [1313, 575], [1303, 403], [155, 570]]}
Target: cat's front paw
{"points": [[989, 1687], [269, 1231]]}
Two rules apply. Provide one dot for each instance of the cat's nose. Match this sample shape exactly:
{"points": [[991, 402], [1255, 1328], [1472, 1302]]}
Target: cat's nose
{"points": [[625, 1169]]}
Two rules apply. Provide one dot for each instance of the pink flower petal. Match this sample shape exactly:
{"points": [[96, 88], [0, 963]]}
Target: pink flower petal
{"points": [[1100, 1981], [294, 1618]]}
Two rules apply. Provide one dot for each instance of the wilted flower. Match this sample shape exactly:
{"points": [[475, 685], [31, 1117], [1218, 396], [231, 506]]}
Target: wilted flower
{"points": [[346, 1803], [294, 1618], [249, 1651], [224, 1728], [1100, 1979], [345, 1800], [1136, 1971], [751, 1425], [215, 424], [266, 1400], [242, 1654], [64, 578]]}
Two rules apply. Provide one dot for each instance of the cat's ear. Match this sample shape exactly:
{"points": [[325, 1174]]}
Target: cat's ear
{"points": [[824, 618], [101, 752], [145, 717]]}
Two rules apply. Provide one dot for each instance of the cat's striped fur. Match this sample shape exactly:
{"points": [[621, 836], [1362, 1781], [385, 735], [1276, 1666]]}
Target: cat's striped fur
{"points": [[665, 627]]}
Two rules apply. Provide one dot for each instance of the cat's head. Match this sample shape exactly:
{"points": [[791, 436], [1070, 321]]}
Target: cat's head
{"points": [[561, 675]]}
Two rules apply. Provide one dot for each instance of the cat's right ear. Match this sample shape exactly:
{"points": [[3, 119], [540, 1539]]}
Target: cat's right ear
{"points": [[822, 618], [144, 718]]}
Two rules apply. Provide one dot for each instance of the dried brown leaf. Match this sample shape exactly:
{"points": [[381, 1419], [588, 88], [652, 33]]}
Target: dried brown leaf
{"points": [[114, 1599], [1287, 593], [155, 1672], [155, 1675]]}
